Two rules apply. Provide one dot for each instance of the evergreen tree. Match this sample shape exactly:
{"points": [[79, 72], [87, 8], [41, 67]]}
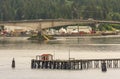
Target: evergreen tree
{"points": [[54, 9]]}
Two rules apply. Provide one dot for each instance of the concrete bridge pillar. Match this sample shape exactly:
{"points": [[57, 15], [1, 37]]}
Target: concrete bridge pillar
{"points": [[52, 24], [1, 27], [39, 28]]}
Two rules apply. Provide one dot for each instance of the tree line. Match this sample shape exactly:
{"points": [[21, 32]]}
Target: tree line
{"points": [[57, 9]]}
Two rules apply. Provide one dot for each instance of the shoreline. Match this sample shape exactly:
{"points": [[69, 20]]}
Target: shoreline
{"points": [[58, 37], [96, 36]]}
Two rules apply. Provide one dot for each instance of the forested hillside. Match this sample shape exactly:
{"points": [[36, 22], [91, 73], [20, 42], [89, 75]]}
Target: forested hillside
{"points": [[54, 9]]}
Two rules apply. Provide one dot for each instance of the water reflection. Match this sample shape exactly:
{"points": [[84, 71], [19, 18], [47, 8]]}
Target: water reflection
{"points": [[80, 48], [76, 43]]}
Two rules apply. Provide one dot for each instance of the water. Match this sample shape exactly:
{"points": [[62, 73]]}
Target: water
{"points": [[80, 48]]}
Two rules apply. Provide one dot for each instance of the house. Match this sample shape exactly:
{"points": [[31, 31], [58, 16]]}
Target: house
{"points": [[46, 57], [62, 31]]}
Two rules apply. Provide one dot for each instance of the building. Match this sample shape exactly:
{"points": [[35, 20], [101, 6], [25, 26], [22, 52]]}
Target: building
{"points": [[62, 31], [78, 29], [46, 57], [16, 28]]}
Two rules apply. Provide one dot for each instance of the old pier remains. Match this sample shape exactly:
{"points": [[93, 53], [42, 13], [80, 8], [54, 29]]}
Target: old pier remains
{"points": [[46, 61]]}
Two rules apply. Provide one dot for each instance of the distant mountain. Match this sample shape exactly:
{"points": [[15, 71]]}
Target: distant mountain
{"points": [[57, 9]]}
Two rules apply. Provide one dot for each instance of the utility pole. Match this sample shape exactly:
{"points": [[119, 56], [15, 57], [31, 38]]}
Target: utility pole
{"points": [[69, 54], [54, 53], [1, 16]]}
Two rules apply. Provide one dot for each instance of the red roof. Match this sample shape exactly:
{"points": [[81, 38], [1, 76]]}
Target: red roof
{"points": [[46, 55]]}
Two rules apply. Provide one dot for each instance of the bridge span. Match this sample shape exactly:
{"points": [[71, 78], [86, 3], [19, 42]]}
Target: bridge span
{"points": [[48, 23]]}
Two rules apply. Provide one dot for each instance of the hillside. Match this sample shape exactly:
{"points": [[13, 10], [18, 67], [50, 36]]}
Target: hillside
{"points": [[54, 9]]}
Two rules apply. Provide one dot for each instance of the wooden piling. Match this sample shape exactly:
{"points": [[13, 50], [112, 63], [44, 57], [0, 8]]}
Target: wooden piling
{"points": [[103, 68], [13, 63], [34, 64], [76, 64]]}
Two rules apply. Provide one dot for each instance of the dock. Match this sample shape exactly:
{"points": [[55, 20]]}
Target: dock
{"points": [[81, 64]]}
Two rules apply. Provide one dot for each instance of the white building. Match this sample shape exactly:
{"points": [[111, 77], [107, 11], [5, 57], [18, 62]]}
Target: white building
{"points": [[76, 29], [62, 30], [17, 28]]}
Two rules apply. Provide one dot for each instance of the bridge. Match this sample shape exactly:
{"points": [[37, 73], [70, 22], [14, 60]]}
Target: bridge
{"points": [[48, 23]]}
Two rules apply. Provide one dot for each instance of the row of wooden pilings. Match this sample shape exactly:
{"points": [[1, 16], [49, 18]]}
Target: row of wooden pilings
{"points": [[76, 64]]}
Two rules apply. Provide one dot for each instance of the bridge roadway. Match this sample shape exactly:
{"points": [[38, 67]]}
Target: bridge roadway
{"points": [[48, 23]]}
